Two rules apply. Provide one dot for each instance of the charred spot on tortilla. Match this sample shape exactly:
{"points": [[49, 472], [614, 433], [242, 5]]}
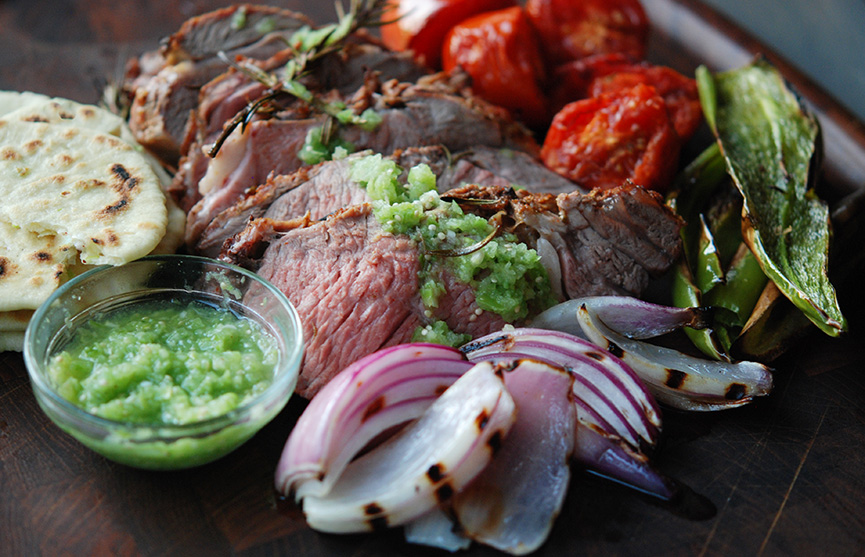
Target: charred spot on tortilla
{"points": [[88, 184], [36, 118], [121, 172], [42, 256], [110, 239], [6, 267], [10, 154], [115, 207], [111, 141], [32, 146], [127, 180]]}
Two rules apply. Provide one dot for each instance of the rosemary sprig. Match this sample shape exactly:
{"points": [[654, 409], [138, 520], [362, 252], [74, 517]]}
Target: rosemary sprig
{"points": [[308, 46]]}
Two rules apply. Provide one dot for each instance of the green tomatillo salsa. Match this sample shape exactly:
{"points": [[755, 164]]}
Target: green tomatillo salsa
{"points": [[164, 362]]}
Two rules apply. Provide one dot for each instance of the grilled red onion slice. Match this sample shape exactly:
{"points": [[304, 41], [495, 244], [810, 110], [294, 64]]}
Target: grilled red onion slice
{"points": [[608, 393], [605, 454], [382, 390], [425, 463], [513, 504], [611, 402], [628, 316], [677, 379]]}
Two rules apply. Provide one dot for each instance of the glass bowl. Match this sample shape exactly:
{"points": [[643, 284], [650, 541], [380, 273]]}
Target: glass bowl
{"points": [[177, 278]]}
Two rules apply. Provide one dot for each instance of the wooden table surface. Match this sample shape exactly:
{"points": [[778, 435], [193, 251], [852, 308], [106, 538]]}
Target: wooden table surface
{"points": [[786, 475]]}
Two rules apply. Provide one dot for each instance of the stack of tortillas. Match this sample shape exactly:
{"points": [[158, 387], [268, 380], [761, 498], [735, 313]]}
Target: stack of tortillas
{"points": [[75, 191]]}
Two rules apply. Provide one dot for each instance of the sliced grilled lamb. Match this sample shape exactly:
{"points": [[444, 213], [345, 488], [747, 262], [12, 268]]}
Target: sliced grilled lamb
{"points": [[327, 186], [431, 112], [491, 166], [164, 85], [607, 242], [344, 71], [319, 190], [356, 287]]}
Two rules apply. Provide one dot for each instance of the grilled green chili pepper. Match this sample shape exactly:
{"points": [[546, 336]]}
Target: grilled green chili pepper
{"points": [[769, 142], [773, 227]]}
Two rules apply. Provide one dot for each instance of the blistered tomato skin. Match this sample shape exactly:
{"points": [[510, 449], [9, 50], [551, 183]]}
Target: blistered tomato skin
{"points": [[605, 74], [678, 91], [499, 50], [421, 25], [573, 29], [602, 142]]}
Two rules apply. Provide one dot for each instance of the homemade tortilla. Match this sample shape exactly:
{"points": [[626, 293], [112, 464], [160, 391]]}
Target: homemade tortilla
{"points": [[32, 266], [70, 194], [11, 340], [68, 208], [36, 108]]}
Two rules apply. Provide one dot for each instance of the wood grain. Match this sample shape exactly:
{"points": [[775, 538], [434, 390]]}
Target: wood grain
{"points": [[786, 475]]}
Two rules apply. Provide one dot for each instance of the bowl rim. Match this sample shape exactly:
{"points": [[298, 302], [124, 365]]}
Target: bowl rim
{"points": [[292, 358]]}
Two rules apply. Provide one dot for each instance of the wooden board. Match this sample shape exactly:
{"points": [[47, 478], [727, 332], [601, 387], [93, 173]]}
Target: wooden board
{"points": [[786, 475]]}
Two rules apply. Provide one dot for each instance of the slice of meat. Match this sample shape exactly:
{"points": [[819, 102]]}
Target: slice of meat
{"points": [[491, 166], [423, 114], [221, 99], [607, 242], [356, 286], [327, 186], [164, 86], [314, 190], [344, 71]]}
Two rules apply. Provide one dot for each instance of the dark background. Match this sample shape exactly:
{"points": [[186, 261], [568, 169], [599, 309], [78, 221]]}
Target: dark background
{"points": [[786, 475]]}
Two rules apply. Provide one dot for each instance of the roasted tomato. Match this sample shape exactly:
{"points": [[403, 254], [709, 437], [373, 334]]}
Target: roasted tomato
{"points": [[421, 25], [574, 29], [601, 142], [678, 91], [608, 73], [499, 50]]}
